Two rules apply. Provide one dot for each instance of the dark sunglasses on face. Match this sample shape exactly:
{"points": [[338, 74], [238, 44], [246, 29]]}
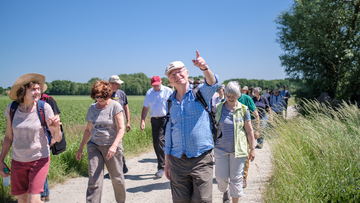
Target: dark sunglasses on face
{"points": [[100, 96]]}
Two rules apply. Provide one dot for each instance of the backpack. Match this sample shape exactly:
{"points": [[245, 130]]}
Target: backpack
{"points": [[58, 147], [200, 98]]}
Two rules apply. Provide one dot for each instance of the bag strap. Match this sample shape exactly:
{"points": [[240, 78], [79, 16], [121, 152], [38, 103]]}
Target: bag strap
{"points": [[41, 113], [14, 106]]}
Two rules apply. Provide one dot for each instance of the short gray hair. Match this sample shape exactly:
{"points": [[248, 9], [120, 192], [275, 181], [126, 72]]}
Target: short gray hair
{"points": [[258, 90], [233, 87]]}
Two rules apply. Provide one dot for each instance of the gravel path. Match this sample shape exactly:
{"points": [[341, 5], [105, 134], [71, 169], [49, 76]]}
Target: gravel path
{"points": [[142, 186]]}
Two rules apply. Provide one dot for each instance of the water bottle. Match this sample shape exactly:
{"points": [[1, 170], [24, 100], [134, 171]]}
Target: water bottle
{"points": [[6, 181]]}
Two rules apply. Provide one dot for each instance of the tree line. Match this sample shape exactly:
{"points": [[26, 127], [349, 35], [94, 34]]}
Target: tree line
{"points": [[139, 83]]}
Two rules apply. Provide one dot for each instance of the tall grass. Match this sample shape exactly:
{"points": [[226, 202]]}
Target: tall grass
{"points": [[316, 157], [73, 112]]}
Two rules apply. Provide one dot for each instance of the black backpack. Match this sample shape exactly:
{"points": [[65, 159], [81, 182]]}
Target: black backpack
{"points": [[200, 98]]}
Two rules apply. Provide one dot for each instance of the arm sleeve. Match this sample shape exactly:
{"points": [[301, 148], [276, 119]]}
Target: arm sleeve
{"points": [[208, 91], [168, 138], [252, 106], [146, 100], [7, 112], [48, 111], [247, 116], [117, 108], [125, 100], [53, 105]]}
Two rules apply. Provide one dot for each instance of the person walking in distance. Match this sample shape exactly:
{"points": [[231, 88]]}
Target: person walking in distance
{"points": [[277, 102], [188, 138], [120, 96], [156, 99], [286, 94]]}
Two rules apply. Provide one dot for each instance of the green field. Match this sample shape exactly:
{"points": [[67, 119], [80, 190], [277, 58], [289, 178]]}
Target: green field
{"points": [[73, 112]]}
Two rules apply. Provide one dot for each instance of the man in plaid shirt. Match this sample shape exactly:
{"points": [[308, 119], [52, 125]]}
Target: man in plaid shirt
{"points": [[188, 136]]}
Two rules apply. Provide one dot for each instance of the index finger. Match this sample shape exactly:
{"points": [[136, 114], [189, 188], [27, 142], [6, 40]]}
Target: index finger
{"points": [[197, 54]]}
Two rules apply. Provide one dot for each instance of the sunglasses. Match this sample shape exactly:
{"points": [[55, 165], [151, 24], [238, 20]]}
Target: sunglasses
{"points": [[100, 96]]}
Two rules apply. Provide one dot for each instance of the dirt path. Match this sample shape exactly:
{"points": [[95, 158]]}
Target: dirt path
{"points": [[142, 186]]}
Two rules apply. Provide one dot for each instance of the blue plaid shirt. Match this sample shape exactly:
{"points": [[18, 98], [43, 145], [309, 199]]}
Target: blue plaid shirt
{"points": [[189, 130]]}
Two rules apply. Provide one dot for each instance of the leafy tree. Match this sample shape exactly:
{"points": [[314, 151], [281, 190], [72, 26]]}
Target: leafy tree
{"points": [[321, 41]]}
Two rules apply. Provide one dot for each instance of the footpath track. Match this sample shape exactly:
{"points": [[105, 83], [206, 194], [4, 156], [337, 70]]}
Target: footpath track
{"points": [[142, 186]]}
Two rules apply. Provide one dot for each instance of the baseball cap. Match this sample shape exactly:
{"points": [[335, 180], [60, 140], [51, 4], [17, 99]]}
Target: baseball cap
{"points": [[116, 79], [172, 66], [156, 80]]}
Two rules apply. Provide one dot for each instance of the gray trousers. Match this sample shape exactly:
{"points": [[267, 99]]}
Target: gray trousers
{"points": [[158, 134], [97, 159], [191, 179]]}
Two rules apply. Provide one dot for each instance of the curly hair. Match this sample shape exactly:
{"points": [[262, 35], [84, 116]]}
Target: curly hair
{"points": [[21, 92], [102, 87]]}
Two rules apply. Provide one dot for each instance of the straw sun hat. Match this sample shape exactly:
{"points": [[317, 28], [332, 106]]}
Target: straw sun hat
{"points": [[25, 79]]}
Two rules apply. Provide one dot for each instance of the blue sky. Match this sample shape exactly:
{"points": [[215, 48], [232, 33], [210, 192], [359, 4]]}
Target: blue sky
{"points": [[77, 40]]}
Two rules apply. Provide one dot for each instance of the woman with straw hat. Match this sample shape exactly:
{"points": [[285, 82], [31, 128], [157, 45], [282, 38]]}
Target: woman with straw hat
{"points": [[30, 145]]}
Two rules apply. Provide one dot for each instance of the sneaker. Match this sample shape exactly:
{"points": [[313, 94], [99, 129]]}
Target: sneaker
{"points": [[259, 146], [226, 197], [244, 183], [159, 173], [45, 199]]}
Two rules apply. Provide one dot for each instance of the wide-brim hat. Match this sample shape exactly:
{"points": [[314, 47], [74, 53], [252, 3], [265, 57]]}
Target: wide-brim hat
{"points": [[245, 88], [276, 90], [25, 79], [116, 79]]}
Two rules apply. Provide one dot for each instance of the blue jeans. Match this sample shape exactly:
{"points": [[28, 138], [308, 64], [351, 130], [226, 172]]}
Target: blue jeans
{"points": [[263, 122], [46, 189]]}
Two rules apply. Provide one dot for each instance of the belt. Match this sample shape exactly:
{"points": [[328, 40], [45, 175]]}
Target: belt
{"points": [[159, 117]]}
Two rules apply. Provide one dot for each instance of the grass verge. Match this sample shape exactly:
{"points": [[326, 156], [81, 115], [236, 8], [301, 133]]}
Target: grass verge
{"points": [[316, 157]]}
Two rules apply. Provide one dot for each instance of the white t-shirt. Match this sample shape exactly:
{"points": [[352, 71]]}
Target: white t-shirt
{"points": [[29, 139]]}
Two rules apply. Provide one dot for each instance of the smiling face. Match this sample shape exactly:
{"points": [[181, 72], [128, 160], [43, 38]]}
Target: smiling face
{"points": [[178, 76], [33, 93], [231, 98], [114, 86]]}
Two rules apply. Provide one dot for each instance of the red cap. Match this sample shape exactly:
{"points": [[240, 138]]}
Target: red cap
{"points": [[156, 80]]}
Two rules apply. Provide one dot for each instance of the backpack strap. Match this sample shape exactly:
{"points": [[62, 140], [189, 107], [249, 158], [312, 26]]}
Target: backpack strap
{"points": [[41, 113], [14, 106]]}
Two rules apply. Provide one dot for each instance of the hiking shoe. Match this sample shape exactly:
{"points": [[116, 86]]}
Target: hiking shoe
{"points": [[46, 198], [226, 197], [259, 146], [125, 168], [159, 173], [244, 183]]}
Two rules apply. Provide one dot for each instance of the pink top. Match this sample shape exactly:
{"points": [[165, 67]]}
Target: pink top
{"points": [[29, 140]]}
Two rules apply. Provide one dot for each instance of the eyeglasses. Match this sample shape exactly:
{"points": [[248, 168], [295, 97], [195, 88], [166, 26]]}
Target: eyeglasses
{"points": [[99, 96], [177, 72]]}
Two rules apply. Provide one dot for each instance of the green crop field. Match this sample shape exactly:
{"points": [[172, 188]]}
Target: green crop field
{"points": [[73, 112]]}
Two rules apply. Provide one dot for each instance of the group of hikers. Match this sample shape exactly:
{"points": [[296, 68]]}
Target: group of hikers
{"points": [[193, 123]]}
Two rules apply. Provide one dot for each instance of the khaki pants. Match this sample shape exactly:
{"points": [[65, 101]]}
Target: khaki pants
{"points": [[191, 179], [96, 160]]}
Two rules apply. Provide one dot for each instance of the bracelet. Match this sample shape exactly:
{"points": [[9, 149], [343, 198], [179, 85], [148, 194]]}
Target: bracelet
{"points": [[205, 69]]}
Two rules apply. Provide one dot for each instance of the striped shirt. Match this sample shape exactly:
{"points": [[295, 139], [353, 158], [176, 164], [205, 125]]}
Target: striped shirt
{"points": [[226, 124], [188, 130]]}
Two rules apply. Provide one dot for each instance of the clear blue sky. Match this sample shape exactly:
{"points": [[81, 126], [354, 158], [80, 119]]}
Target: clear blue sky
{"points": [[78, 40]]}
